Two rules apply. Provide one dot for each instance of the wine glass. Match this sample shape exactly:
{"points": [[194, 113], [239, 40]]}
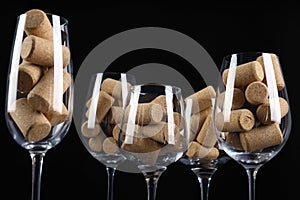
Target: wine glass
{"points": [[203, 156], [252, 115], [39, 95], [152, 134], [101, 112]]}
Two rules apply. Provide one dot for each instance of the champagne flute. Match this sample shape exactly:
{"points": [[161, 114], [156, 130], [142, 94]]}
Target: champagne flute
{"points": [[203, 156], [152, 133], [39, 95], [252, 115], [96, 119]]}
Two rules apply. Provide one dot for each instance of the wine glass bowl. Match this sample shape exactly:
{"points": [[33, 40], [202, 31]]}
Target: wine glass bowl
{"points": [[252, 114], [152, 132], [204, 155], [39, 95], [96, 118]]}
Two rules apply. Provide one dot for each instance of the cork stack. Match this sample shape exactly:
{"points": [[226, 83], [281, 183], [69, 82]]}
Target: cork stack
{"points": [[250, 127], [203, 143], [150, 130], [35, 115]]}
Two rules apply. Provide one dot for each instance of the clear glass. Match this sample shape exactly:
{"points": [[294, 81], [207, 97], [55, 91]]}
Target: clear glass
{"points": [[204, 155], [102, 111], [39, 95], [152, 133], [252, 115]]}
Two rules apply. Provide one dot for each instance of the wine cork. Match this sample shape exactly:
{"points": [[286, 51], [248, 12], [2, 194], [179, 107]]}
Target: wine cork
{"points": [[148, 158], [160, 132], [233, 140], [263, 112], [41, 95], [146, 113], [115, 115], [196, 150], [180, 145], [105, 101], [88, 103], [161, 100], [197, 120], [238, 99], [41, 51], [38, 24], [96, 143], [256, 93], [207, 137], [110, 145], [118, 130], [245, 74], [113, 87], [56, 117], [178, 120], [141, 145], [240, 120], [90, 132], [277, 71], [33, 124], [29, 74], [261, 137], [202, 99]]}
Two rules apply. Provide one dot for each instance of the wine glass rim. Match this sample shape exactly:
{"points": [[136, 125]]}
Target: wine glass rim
{"points": [[63, 19], [247, 52], [113, 73], [176, 89]]}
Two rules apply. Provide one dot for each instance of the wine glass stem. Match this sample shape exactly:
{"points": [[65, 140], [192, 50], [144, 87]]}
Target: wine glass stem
{"points": [[110, 185], [251, 173], [151, 181], [37, 164], [204, 178]]}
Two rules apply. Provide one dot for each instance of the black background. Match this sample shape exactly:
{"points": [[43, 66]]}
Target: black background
{"points": [[70, 172]]}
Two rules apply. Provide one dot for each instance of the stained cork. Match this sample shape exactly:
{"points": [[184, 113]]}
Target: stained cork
{"points": [[38, 24], [29, 74], [263, 112], [41, 95], [202, 99], [40, 51], [261, 137], [277, 70], [245, 74], [256, 93], [33, 124], [240, 120]]}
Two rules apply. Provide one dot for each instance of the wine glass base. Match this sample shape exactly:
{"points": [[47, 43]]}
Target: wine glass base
{"points": [[110, 160], [151, 169]]}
